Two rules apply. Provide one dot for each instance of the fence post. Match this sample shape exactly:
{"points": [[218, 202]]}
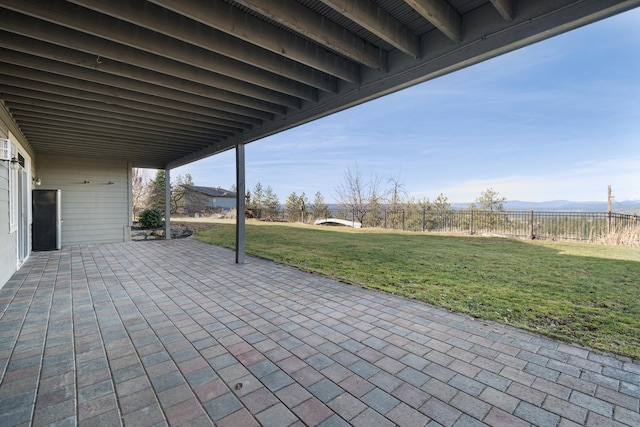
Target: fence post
{"points": [[609, 222], [424, 218], [385, 218], [471, 224], [533, 236]]}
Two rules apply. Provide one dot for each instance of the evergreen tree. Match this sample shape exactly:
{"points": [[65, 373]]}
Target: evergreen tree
{"points": [[156, 198], [258, 198], [493, 211], [319, 210], [271, 202], [441, 211], [303, 206], [441, 204], [292, 207], [489, 201]]}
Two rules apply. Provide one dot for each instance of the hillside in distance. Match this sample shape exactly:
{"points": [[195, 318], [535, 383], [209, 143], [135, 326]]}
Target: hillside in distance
{"points": [[627, 206]]}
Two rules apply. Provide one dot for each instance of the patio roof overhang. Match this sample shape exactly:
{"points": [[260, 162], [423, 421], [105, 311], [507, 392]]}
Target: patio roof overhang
{"points": [[162, 83]]}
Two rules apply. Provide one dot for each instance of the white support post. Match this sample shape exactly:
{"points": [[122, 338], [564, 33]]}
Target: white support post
{"points": [[167, 204], [240, 204]]}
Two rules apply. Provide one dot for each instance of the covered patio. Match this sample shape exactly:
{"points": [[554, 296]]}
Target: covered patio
{"points": [[90, 89], [175, 333]]}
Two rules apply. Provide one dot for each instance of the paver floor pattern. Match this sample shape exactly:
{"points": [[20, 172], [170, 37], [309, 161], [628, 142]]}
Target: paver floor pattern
{"points": [[174, 333]]}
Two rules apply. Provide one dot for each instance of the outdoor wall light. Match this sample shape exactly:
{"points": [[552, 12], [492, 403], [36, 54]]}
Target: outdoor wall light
{"points": [[15, 164], [37, 181]]}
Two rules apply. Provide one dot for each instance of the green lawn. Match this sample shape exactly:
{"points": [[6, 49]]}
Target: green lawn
{"points": [[589, 294]]}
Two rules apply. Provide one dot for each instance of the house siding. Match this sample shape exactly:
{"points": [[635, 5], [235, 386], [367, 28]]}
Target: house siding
{"points": [[93, 212], [9, 238], [8, 248], [224, 202]]}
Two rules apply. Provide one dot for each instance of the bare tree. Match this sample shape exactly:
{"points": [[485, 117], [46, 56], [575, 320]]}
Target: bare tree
{"points": [[357, 197], [139, 192], [396, 195], [178, 194]]}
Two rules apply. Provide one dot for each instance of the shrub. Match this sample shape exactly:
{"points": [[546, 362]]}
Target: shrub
{"points": [[151, 218], [627, 237]]}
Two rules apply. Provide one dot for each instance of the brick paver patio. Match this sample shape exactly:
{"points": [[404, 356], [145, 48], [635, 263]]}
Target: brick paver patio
{"points": [[174, 333]]}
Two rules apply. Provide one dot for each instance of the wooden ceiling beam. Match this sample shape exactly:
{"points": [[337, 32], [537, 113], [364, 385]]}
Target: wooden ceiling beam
{"points": [[133, 109], [64, 133], [73, 117], [103, 148], [375, 20], [37, 76], [256, 32], [303, 20], [505, 8], [220, 35], [442, 15], [49, 137], [26, 104], [281, 76], [172, 88], [94, 127], [214, 86]]}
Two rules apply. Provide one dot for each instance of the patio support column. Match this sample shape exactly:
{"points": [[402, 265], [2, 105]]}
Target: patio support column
{"points": [[240, 204], [167, 204]]}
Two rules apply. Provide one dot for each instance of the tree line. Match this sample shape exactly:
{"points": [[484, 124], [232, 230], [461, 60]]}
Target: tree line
{"points": [[149, 193], [261, 202], [365, 200], [360, 199], [264, 203]]}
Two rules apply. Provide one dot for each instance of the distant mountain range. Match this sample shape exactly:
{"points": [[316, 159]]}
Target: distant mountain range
{"points": [[627, 206]]}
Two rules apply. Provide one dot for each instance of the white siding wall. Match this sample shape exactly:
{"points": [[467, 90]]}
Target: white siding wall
{"points": [[7, 240], [97, 212]]}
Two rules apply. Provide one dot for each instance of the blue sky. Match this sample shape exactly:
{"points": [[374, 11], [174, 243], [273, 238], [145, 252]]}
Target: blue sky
{"points": [[556, 120]]}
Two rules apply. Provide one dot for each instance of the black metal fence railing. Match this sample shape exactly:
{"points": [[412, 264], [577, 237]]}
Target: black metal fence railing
{"points": [[580, 226]]}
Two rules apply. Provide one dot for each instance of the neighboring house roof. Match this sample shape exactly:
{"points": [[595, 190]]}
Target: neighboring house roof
{"points": [[211, 191]]}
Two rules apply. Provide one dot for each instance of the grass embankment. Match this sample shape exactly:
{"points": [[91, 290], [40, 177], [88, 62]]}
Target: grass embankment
{"points": [[588, 294]]}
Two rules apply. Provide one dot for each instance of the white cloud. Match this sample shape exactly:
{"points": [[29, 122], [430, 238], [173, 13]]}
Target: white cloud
{"points": [[586, 181]]}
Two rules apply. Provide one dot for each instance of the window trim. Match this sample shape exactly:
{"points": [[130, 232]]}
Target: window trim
{"points": [[13, 192]]}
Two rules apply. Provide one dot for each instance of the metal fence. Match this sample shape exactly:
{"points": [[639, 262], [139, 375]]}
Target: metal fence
{"points": [[580, 226]]}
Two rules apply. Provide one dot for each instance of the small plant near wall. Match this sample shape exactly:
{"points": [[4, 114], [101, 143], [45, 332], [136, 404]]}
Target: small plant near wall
{"points": [[151, 218]]}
